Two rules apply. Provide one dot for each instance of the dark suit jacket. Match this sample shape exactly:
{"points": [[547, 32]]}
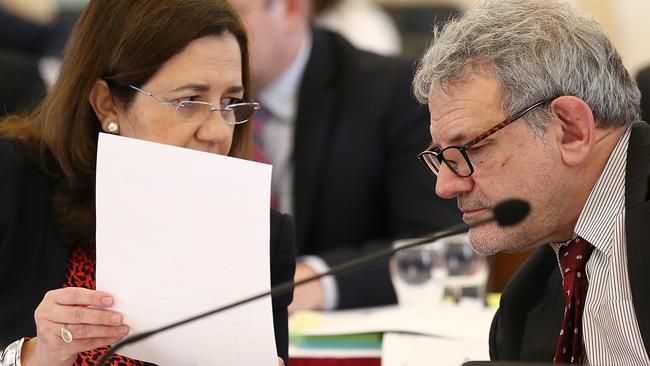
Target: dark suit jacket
{"points": [[643, 81], [357, 181], [33, 257], [27, 37], [527, 324], [21, 87]]}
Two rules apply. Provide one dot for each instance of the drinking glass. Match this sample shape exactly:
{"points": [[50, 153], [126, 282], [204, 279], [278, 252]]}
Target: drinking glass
{"points": [[418, 274], [467, 270]]}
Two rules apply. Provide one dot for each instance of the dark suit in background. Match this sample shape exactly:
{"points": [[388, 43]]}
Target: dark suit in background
{"points": [[357, 181], [643, 81], [529, 318], [21, 87], [22, 44], [34, 39]]}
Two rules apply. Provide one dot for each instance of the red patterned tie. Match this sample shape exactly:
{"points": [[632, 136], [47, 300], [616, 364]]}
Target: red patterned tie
{"points": [[259, 153], [573, 259]]}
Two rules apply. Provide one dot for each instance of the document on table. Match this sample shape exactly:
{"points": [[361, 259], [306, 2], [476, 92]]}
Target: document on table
{"points": [[180, 232], [467, 321], [436, 335], [400, 349]]}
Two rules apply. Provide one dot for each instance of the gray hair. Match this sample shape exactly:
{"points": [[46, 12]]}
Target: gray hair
{"points": [[537, 49]]}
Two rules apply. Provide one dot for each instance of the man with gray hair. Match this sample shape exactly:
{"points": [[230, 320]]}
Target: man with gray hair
{"points": [[530, 99]]}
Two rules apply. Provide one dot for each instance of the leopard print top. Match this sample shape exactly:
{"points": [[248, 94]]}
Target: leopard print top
{"points": [[81, 273]]}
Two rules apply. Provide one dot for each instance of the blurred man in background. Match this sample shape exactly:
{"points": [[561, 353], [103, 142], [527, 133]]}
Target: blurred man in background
{"points": [[342, 131], [32, 36], [362, 22]]}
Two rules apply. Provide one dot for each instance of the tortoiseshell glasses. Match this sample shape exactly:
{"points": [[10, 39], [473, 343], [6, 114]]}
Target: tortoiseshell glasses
{"points": [[456, 156]]}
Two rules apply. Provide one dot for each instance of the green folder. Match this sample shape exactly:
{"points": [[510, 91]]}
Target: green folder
{"points": [[361, 341]]}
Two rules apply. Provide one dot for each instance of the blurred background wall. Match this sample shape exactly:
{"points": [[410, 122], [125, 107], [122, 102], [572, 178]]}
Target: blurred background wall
{"points": [[627, 21]]}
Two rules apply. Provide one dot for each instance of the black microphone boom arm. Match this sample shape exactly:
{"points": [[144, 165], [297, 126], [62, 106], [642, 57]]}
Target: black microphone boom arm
{"points": [[515, 212]]}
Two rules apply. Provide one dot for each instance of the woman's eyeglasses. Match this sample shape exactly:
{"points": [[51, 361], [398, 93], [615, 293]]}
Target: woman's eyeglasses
{"points": [[198, 112]]}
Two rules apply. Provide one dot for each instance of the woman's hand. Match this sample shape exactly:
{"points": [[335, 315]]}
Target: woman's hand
{"points": [[80, 311], [280, 361]]}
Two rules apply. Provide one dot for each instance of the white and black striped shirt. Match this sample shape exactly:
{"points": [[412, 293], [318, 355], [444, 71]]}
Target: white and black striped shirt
{"points": [[611, 332]]}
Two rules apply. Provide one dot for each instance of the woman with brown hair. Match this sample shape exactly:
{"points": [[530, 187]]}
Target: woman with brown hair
{"points": [[173, 72]]}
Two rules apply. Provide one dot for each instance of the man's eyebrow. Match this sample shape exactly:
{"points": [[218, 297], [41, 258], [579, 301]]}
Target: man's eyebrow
{"points": [[458, 138], [455, 140], [433, 146]]}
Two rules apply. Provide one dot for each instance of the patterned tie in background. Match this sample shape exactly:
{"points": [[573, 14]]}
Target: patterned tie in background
{"points": [[260, 119], [573, 259]]}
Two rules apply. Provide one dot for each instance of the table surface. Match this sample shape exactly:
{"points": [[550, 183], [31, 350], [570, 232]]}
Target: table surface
{"points": [[448, 334]]}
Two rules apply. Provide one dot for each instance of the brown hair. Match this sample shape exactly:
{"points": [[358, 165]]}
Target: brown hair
{"points": [[123, 42]]}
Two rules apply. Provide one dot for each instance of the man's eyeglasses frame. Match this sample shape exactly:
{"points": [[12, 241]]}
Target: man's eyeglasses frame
{"points": [[433, 158]]}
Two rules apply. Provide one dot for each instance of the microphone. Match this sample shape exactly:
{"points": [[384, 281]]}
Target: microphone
{"points": [[511, 212], [506, 213]]}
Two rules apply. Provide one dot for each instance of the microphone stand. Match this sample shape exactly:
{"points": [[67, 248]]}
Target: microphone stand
{"points": [[289, 285]]}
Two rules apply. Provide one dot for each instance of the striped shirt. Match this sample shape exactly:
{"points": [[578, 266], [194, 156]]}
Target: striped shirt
{"points": [[280, 100], [611, 331]]}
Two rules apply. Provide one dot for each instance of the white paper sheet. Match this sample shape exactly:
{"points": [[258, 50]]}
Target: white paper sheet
{"points": [[180, 232], [417, 350]]}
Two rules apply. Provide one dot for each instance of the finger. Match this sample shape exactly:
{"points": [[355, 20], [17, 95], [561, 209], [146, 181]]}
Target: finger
{"points": [[80, 296], [49, 343], [84, 315], [88, 344], [85, 331]]}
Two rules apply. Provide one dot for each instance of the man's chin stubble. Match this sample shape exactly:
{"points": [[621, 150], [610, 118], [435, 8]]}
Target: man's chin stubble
{"points": [[490, 242]]}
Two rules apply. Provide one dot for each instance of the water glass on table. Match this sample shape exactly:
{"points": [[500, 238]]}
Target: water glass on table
{"points": [[467, 270], [419, 274]]}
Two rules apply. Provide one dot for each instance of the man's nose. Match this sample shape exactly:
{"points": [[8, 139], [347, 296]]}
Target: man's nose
{"points": [[449, 185]]}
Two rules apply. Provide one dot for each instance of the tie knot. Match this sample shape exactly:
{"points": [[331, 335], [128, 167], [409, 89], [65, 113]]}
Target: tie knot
{"points": [[574, 256]]}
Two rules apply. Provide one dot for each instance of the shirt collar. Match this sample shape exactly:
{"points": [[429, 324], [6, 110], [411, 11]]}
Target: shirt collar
{"points": [[280, 97]]}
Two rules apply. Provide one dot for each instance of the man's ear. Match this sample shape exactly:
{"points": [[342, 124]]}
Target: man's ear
{"points": [[103, 104], [574, 128]]}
